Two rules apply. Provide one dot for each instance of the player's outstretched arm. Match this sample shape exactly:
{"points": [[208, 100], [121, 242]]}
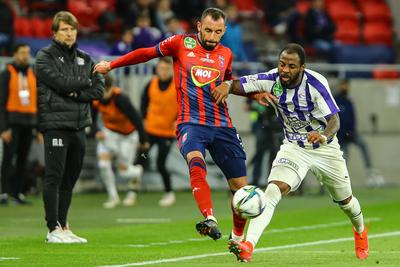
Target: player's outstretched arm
{"points": [[132, 58], [221, 92]]}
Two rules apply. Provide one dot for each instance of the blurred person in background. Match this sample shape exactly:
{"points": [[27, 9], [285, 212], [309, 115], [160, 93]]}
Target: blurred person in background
{"points": [[163, 14], [124, 45], [160, 109], [233, 36], [117, 143], [277, 13], [144, 34], [6, 28], [173, 27], [268, 134], [66, 87], [18, 122], [130, 10], [319, 29], [349, 134]]}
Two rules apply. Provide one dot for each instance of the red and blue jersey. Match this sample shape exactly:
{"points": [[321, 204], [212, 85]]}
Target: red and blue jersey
{"points": [[197, 72]]}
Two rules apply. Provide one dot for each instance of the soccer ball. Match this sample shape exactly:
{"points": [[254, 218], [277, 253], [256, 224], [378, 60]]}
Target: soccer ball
{"points": [[249, 201]]}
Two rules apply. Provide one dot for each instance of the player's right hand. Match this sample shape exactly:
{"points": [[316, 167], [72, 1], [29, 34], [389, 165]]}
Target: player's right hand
{"points": [[102, 67], [220, 93], [6, 136]]}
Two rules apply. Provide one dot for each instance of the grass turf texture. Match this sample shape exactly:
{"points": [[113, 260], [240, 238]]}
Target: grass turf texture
{"points": [[297, 220]]}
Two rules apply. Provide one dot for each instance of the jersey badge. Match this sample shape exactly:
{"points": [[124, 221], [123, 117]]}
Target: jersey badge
{"points": [[189, 42], [203, 75], [277, 89]]}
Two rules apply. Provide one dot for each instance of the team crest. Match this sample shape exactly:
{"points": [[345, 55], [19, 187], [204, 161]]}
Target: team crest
{"points": [[189, 42], [221, 61], [203, 75], [277, 89]]}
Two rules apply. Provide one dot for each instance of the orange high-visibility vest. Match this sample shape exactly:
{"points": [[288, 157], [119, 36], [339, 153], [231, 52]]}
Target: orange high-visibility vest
{"points": [[162, 110], [113, 118], [22, 98]]}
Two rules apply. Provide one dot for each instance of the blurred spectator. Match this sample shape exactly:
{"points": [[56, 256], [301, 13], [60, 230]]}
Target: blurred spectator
{"points": [[277, 13], [173, 27], [6, 29], [160, 109], [130, 10], [123, 46], [189, 10], [144, 34], [117, 142], [349, 134], [268, 133], [233, 34], [164, 13], [319, 28], [18, 120], [221, 4]]}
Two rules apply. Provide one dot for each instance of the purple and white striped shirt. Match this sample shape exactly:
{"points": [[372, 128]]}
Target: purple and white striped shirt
{"points": [[302, 109]]}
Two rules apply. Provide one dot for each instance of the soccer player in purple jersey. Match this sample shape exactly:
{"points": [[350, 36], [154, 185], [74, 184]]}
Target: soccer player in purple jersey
{"points": [[309, 115]]}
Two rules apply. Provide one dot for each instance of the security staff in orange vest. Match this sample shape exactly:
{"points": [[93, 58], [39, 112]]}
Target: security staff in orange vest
{"points": [[159, 108], [18, 122], [117, 143]]}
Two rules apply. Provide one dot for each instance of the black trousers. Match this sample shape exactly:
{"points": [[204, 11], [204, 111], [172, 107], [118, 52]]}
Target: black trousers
{"points": [[64, 152], [164, 146], [15, 155]]}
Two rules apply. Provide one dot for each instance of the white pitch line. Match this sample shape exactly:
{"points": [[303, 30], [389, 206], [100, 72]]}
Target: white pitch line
{"points": [[306, 244], [8, 258], [282, 230]]}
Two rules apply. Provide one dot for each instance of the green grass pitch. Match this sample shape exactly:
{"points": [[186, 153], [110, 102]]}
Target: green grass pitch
{"points": [[305, 231]]}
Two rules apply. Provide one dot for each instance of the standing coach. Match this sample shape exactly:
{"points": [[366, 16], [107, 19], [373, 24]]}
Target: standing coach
{"points": [[66, 86]]}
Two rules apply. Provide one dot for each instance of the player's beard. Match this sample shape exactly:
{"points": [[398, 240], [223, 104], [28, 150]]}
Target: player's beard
{"points": [[205, 45], [291, 82]]}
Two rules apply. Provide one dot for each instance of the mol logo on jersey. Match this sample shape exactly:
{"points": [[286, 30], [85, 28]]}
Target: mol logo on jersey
{"points": [[203, 75]]}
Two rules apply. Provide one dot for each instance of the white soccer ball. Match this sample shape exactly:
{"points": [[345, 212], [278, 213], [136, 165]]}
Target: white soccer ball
{"points": [[249, 201]]}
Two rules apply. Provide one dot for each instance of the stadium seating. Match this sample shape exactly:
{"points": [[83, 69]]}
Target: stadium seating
{"points": [[374, 12], [22, 27], [348, 32], [378, 33], [343, 11]]}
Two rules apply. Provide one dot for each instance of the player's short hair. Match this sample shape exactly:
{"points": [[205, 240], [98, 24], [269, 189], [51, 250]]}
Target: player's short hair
{"points": [[167, 60], [214, 12], [66, 17], [293, 48], [18, 46]]}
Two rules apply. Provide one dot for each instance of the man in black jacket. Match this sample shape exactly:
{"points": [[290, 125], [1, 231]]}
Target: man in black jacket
{"points": [[66, 87]]}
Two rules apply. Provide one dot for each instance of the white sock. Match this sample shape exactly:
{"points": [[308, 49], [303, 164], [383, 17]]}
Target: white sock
{"points": [[353, 211], [258, 224], [108, 177]]}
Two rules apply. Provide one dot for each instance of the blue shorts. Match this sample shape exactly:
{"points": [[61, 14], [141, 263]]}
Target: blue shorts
{"points": [[224, 144]]}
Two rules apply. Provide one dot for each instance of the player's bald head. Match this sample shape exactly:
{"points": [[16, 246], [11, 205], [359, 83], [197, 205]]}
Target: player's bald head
{"points": [[214, 13]]}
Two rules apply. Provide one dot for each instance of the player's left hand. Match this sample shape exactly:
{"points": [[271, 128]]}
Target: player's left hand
{"points": [[102, 67], [316, 138], [220, 93]]}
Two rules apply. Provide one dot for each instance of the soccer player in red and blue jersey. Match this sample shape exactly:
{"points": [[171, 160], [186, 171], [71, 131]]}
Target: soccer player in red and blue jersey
{"points": [[200, 64]]}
